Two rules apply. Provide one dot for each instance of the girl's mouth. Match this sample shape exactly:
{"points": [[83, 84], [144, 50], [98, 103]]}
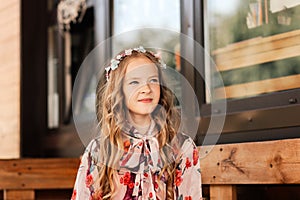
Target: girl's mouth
{"points": [[146, 100]]}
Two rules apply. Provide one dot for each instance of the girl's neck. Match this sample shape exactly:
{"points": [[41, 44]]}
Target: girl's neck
{"points": [[141, 123]]}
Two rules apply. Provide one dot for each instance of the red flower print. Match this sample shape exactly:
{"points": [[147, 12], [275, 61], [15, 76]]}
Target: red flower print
{"points": [[155, 185], [126, 178], [89, 180], [146, 175], [195, 156], [188, 198], [150, 195], [74, 195], [126, 145], [178, 178], [188, 163], [131, 185]]}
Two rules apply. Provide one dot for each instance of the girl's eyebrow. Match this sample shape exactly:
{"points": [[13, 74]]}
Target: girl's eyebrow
{"points": [[132, 79], [156, 76], [137, 78]]}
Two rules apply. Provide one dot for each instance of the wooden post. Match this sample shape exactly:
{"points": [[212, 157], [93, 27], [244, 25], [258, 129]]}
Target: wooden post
{"points": [[19, 194], [222, 192], [10, 79]]}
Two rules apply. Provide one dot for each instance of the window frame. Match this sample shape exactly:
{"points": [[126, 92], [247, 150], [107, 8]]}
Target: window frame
{"points": [[248, 119]]}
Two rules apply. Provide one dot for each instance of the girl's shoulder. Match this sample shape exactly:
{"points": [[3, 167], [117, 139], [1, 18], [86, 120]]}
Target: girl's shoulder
{"points": [[184, 139], [185, 143], [92, 151], [93, 146]]}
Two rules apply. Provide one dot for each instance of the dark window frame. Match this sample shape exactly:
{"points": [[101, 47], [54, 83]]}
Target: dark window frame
{"points": [[249, 119], [34, 54]]}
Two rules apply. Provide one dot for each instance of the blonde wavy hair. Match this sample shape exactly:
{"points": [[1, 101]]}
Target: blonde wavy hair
{"points": [[110, 110]]}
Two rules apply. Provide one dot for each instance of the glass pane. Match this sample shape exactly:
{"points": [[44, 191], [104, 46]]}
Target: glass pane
{"points": [[158, 15], [255, 45], [133, 14], [130, 15], [53, 96]]}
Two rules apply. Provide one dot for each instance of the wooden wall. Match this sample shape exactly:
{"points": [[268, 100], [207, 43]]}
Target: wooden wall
{"points": [[10, 79]]}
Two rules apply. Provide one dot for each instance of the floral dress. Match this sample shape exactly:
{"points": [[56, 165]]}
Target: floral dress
{"points": [[140, 165]]}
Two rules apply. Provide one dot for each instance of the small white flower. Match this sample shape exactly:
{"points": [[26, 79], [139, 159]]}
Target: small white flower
{"points": [[141, 49], [107, 68], [114, 62], [113, 67], [128, 52]]}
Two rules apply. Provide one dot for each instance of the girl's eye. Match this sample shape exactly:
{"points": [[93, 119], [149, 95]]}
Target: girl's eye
{"points": [[133, 82], [154, 80]]}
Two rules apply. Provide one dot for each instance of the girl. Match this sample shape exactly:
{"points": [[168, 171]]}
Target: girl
{"points": [[141, 153]]}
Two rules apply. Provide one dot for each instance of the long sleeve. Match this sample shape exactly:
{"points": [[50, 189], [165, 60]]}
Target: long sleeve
{"points": [[188, 175], [83, 188]]}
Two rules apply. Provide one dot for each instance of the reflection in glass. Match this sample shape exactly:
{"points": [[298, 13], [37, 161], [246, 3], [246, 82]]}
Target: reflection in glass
{"points": [[255, 44]]}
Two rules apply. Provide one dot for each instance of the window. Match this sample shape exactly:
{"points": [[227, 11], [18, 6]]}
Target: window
{"points": [[255, 46]]}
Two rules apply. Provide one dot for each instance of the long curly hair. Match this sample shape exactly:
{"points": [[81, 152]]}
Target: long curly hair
{"points": [[110, 110]]}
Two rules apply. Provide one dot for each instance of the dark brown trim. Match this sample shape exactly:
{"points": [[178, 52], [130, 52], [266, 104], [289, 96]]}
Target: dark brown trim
{"points": [[250, 136], [33, 77], [258, 119], [199, 54]]}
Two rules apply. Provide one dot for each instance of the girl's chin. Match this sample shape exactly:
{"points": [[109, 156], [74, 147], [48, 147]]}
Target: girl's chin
{"points": [[141, 113]]}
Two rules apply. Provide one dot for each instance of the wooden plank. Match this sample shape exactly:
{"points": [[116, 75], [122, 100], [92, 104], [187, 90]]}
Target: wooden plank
{"points": [[38, 173], [257, 49], [255, 41], [272, 162], [19, 194], [222, 192], [253, 59], [259, 87], [237, 45]]}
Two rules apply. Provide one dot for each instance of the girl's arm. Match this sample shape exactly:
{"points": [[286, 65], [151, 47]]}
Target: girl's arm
{"points": [[187, 174]]}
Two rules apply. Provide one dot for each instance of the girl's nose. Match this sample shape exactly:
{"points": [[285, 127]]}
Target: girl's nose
{"points": [[145, 88]]}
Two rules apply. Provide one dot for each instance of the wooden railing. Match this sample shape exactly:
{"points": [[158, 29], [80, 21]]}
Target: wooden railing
{"points": [[272, 162], [223, 168], [19, 178]]}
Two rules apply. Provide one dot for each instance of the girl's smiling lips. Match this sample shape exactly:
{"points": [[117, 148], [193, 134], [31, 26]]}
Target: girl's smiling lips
{"points": [[145, 100]]}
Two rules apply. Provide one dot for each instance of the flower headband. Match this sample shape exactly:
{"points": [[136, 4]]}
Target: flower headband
{"points": [[114, 63]]}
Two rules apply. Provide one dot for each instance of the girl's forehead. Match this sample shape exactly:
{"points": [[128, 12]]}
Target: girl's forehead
{"points": [[140, 66]]}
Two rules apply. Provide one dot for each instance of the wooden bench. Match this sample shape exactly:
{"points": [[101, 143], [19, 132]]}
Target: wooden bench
{"points": [[223, 168]]}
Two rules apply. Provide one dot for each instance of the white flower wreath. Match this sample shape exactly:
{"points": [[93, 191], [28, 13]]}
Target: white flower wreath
{"points": [[114, 63]]}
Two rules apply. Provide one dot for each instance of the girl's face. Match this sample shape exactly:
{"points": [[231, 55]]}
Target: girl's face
{"points": [[141, 87]]}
